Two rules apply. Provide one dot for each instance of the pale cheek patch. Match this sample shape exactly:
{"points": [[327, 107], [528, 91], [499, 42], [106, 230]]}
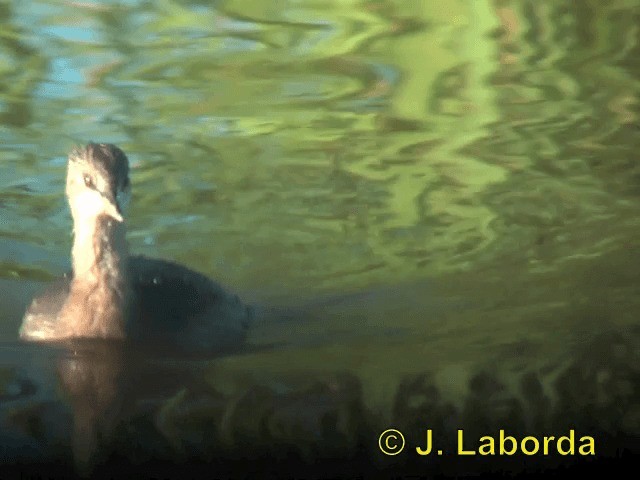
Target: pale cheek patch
{"points": [[87, 204]]}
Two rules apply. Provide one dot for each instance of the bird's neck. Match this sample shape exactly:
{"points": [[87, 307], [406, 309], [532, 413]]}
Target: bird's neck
{"points": [[99, 252], [101, 301]]}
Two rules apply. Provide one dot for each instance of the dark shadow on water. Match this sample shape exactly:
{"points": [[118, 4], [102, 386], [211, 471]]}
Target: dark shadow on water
{"points": [[79, 394], [102, 408], [320, 379]]}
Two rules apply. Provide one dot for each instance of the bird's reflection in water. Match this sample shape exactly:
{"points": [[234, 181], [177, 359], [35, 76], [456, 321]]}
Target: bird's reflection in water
{"points": [[110, 384], [93, 377], [157, 415], [132, 407]]}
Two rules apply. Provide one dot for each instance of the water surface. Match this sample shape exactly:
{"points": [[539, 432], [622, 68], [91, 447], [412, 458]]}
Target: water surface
{"points": [[400, 187]]}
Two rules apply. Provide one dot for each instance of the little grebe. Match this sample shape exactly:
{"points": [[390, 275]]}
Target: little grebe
{"points": [[111, 295]]}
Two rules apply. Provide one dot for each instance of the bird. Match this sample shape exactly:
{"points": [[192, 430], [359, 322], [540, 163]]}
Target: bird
{"points": [[112, 295]]}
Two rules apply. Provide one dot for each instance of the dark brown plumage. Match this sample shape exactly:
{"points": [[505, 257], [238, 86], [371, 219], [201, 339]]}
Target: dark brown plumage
{"points": [[112, 295]]}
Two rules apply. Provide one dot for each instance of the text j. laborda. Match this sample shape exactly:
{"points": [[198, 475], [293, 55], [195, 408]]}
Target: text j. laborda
{"points": [[392, 442]]}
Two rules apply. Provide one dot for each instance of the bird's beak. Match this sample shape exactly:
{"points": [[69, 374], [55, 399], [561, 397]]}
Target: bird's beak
{"points": [[111, 207]]}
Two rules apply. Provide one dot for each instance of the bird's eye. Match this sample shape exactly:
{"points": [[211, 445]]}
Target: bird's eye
{"points": [[88, 181]]}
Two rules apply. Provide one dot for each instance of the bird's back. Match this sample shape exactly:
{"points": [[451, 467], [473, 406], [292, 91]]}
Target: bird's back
{"points": [[180, 307], [176, 308]]}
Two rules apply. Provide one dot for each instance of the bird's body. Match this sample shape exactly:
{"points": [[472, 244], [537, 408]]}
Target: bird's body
{"points": [[111, 295]]}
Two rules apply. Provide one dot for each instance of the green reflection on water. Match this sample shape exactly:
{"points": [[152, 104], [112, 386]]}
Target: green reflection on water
{"points": [[301, 148]]}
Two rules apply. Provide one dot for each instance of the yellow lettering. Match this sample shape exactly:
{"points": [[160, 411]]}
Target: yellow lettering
{"points": [[590, 443], [564, 439], [488, 448], [427, 449], [536, 445], [546, 444], [503, 439], [461, 450]]}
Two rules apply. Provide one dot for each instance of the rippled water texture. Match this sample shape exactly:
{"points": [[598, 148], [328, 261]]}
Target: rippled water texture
{"points": [[411, 193]]}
